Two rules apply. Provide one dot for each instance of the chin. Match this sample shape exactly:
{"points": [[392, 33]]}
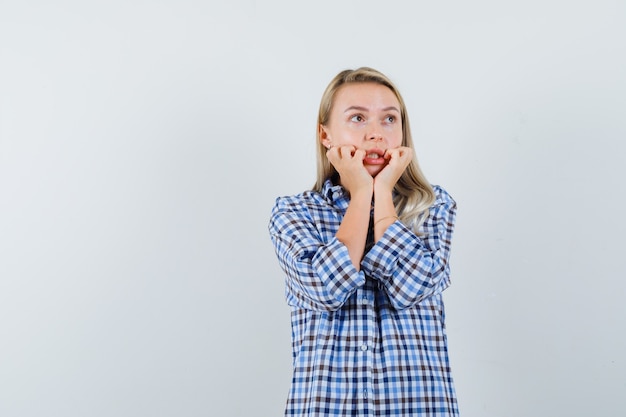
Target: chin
{"points": [[374, 171]]}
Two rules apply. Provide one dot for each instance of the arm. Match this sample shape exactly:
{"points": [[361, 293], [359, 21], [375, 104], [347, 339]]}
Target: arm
{"points": [[319, 271], [348, 161], [411, 268], [384, 209], [353, 229]]}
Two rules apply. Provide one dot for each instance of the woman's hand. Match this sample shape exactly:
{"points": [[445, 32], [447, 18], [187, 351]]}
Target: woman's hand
{"points": [[348, 161], [399, 159]]}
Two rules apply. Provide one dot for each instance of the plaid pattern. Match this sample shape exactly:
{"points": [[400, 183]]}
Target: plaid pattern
{"points": [[369, 342]]}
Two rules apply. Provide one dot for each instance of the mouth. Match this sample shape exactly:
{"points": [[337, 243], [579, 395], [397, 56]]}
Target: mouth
{"points": [[375, 153], [374, 157]]}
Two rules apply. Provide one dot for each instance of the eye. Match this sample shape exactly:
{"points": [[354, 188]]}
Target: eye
{"points": [[390, 119], [357, 118]]}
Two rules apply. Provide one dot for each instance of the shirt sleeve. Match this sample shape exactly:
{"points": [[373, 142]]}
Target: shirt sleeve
{"points": [[411, 268], [319, 273]]}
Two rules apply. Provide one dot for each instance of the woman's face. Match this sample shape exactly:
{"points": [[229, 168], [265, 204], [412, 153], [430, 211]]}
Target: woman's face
{"points": [[366, 116]]}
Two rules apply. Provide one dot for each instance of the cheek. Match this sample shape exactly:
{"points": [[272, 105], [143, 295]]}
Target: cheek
{"points": [[349, 135], [397, 139]]}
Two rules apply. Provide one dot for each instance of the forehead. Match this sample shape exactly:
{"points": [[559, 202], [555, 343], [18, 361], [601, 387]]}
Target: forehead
{"points": [[369, 95]]}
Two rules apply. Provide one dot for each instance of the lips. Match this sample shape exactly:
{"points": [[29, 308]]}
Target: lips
{"points": [[374, 157], [375, 153]]}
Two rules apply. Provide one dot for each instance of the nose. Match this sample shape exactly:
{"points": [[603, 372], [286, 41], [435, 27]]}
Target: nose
{"points": [[375, 135], [375, 131]]}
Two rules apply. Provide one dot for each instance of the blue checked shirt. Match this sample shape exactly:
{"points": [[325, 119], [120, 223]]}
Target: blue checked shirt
{"points": [[369, 342]]}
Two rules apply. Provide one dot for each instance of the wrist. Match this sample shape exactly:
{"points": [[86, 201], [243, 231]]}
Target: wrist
{"points": [[387, 219], [361, 194], [382, 188]]}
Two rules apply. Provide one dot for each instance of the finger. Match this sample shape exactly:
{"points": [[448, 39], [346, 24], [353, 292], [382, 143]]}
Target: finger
{"points": [[407, 153], [346, 151], [359, 154], [333, 155], [402, 151], [405, 156], [392, 153]]}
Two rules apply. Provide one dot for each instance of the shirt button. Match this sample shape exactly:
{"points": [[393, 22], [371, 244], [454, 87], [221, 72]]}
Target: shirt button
{"points": [[364, 300], [365, 394], [363, 348]]}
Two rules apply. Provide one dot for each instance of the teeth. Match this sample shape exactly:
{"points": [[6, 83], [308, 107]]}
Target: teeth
{"points": [[372, 155]]}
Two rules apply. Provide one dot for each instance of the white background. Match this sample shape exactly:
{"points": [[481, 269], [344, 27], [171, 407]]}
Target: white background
{"points": [[142, 145]]}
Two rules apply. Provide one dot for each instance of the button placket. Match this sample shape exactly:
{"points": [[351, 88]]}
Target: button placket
{"points": [[367, 305]]}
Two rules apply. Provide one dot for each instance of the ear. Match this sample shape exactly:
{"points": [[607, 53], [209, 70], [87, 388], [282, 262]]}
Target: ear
{"points": [[324, 136]]}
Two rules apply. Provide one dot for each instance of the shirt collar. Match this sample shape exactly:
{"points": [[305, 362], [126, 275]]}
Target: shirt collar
{"points": [[332, 192], [336, 194]]}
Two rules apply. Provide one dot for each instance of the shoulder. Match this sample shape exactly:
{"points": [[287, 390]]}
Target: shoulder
{"points": [[297, 201], [441, 214], [301, 202], [293, 213], [442, 197]]}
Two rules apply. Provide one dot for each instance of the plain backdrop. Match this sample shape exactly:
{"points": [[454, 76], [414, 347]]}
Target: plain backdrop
{"points": [[142, 145]]}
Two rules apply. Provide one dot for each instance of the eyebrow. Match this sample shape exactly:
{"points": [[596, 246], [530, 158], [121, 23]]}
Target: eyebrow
{"points": [[360, 108]]}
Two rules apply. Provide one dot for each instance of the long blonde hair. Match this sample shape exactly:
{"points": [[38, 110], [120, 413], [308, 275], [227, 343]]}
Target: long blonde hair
{"points": [[413, 194]]}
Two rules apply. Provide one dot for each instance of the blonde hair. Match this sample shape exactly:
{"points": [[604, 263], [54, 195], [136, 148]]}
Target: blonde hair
{"points": [[413, 194]]}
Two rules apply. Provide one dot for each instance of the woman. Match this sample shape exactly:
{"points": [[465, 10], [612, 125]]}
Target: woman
{"points": [[365, 254]]}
